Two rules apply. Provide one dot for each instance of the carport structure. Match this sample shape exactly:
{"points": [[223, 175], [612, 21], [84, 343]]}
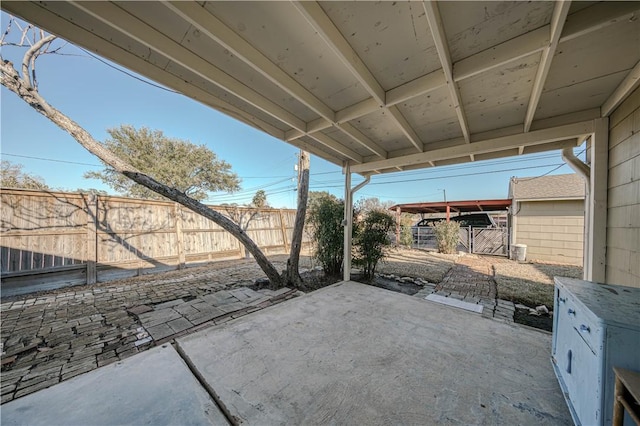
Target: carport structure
{"points": [[464, 206], [389, 86]]}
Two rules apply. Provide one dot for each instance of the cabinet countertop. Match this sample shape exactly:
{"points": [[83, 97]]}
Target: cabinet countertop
{"points": [[613, 304]]}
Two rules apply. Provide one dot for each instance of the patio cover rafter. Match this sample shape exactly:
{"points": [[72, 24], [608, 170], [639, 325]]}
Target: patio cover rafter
{"points": [[628, 85], [440, 40], [327, 30], [205, 22], [569, 132], [558, 19]]}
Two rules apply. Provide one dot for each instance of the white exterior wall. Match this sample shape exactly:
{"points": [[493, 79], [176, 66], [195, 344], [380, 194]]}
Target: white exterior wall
{"points": [[552, 230], [623, 202]]}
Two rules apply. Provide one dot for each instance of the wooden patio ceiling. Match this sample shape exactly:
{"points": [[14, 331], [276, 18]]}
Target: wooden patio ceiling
{"points": [[382, 86]]}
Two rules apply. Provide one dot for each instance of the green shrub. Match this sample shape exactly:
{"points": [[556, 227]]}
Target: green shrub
{"points": [[406, 234], [325, 217], [447, 236], [372, 240]]}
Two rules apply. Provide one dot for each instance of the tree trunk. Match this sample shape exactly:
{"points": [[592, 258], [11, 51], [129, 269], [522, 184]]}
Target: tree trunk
{"points": [[12, 81], [292, 273]]}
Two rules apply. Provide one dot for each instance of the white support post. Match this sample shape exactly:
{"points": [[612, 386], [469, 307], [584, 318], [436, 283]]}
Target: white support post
{"points": [[347, 223], [597, 215]]}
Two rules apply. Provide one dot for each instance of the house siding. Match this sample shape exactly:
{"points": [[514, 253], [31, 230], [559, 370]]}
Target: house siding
{"points": [[552, 230], [623, 201]]}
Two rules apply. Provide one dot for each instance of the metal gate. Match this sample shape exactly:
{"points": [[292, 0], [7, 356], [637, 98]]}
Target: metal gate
{"points": [[472, 240], [490, 241]]}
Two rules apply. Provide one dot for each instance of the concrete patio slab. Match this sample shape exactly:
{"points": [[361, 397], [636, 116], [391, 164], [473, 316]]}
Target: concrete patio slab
{"points": [[356, 354], [153, 388]]}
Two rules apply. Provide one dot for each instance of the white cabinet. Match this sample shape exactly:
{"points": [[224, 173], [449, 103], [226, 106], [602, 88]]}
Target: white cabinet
{"points": [[596, 327]]}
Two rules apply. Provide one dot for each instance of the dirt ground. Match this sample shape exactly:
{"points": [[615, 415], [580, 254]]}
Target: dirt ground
{"points": [[531, 283]]}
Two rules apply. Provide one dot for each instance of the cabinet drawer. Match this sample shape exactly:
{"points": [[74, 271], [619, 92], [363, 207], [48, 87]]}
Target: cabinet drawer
{"points": [[581, 320]]}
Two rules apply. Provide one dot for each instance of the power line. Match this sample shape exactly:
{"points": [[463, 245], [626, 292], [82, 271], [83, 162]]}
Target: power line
{"points": [[53, 160], [458, 175], [552, 170], [128, 73], [443, 169]]}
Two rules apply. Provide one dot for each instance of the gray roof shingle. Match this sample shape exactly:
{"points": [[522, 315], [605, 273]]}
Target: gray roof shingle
{"points": [[570, 186]]}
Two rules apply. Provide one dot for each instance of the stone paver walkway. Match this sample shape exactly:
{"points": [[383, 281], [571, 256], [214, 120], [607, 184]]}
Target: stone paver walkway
{"points": [[471, 280], [53, 337]]}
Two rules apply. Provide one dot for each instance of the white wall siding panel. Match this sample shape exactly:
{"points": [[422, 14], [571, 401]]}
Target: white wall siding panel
{"points": [[623, 219]]}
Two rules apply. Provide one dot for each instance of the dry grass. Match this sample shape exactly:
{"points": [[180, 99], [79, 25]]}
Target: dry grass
{"points": [[416, 264], [530, 283]]}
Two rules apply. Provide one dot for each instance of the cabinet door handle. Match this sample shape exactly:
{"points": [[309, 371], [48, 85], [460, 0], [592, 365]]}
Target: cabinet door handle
{"points": [[585, 328], [569, 361], [562, 299], [571, 311]]}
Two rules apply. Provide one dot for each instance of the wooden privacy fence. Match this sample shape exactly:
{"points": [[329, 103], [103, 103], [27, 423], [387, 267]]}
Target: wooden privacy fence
{"points": [[53, 239]]}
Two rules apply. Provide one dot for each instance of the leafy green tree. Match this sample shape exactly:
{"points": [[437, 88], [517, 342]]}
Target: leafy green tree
{"points": [[447, 236], [325, 220], [260, 200], [12, 176], [365, 205], [192, 169], [315, 197], [372, 240]]}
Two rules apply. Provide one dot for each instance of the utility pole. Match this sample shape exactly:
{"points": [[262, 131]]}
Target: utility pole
{"points": [[293, 276], [299, 168], [444, 194]]}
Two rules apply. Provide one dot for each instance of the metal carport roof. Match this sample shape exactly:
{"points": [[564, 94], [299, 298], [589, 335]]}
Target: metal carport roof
{"points": [[454, 206]]}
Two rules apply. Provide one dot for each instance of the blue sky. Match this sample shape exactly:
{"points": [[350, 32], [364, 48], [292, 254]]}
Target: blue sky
{"points": [[99, 97]]}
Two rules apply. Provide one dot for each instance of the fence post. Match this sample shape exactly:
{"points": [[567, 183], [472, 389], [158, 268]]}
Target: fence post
{"points": [[470, 239], [179, 236], [284, 232], [92, 238]]}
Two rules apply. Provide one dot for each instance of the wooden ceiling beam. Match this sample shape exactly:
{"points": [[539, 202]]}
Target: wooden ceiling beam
{"points": [[536, 137], [337, 147], [406, 128], [440, 40], [628, 85], [199, 17], [358, 136], [560, 12], [326, 29]]}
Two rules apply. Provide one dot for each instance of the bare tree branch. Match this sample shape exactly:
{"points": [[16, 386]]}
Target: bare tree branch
{"points": [[28, 61]]}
